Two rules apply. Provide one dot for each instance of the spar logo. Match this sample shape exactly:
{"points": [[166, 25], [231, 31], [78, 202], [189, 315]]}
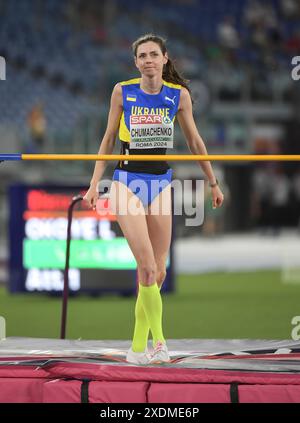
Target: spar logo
{"points": [[146, 119], [2, 69]]}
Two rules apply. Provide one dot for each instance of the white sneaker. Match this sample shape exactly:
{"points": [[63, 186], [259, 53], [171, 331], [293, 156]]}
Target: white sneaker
{"points": [[161, 354], [138, 357]]}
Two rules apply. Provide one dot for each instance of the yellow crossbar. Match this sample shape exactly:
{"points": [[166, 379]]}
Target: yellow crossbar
{"points": [[173, 157]]}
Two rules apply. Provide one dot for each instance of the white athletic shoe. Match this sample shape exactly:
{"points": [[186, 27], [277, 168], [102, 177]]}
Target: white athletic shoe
{"points": [[138, 357], [161, 354]]}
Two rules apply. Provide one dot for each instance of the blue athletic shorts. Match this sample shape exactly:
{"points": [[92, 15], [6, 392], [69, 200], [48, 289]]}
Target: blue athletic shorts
{"points": [[146, 186]]}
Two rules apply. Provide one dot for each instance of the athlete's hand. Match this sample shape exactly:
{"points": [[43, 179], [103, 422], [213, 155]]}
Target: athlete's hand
{"points": [[91, 196], [217, 197]]}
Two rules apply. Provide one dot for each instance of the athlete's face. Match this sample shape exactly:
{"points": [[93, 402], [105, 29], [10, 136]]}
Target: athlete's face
{"points": [[150, 59]]}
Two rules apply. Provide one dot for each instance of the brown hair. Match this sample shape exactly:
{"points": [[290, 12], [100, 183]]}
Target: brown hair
{"points": [[170, 73]]}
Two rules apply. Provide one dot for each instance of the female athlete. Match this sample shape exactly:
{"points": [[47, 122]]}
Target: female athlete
{"points": [[142, 112]]}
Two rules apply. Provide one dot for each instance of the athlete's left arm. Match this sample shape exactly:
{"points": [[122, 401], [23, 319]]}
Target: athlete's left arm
{"points": [[195, 142]]}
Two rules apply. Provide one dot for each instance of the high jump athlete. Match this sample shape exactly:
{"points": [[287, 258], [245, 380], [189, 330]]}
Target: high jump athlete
{"points": [[143, 112]]}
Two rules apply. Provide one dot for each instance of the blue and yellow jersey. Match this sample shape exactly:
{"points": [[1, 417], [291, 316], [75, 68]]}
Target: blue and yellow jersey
{"points": [[147, 124]]}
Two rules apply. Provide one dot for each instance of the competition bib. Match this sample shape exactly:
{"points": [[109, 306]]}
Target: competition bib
{"points": [[151, 131]]}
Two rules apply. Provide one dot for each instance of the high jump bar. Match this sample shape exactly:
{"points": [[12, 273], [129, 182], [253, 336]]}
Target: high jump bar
{"points": [[149, 157]]}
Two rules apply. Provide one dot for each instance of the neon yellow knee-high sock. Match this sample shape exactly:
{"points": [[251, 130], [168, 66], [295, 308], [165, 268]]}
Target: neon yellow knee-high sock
{"points": [[152, 303], [141, 328]]}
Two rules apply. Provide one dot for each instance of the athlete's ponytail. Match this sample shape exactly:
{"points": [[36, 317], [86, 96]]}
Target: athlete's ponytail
{"points": [[170, 73]]}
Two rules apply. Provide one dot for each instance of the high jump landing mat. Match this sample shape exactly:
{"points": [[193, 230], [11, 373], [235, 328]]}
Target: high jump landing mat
{"points": [[34, 370]]}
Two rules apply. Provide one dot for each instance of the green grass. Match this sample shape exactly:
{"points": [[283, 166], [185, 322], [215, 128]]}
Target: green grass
{"points": [[254, 305]]}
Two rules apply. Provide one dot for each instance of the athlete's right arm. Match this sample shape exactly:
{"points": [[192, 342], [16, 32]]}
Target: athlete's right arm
{"points": [[107, 143]]}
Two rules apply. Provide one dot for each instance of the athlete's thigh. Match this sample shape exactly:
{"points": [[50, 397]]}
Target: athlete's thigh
{"points": [[159, 220], [130, 215]]}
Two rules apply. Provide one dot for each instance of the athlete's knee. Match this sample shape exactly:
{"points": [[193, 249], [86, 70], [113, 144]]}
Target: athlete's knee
{"points": [[161, 276], [147, 272]]}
